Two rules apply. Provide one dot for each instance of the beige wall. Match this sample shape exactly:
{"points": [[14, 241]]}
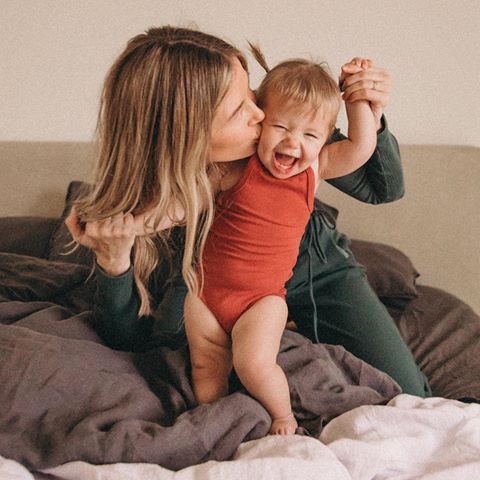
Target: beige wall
{"points": [[54, 55]]}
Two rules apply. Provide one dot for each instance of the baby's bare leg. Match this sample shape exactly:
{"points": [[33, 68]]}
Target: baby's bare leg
{"points": [[255, 341], [210, 351]]}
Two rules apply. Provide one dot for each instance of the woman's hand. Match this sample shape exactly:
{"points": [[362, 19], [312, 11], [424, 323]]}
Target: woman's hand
{"points": [[361, 80], [111, 239]]}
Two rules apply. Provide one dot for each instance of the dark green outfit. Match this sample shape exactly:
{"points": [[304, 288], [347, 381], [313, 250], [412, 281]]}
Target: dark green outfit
{"points": [[328, 295]]}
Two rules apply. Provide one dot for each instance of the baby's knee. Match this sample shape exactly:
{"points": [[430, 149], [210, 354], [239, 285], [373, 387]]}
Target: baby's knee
{"points": [[256, 365], [210, 364]]}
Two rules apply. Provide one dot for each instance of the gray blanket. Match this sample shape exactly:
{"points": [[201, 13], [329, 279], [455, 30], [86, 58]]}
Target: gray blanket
{"points": [[66, 396]]}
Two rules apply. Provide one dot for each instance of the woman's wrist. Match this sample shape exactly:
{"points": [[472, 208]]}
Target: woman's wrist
{"points": [[113, 267]]}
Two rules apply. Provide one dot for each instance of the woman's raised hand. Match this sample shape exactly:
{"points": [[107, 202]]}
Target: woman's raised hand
{"points": [[110, 239], [361, 80]]}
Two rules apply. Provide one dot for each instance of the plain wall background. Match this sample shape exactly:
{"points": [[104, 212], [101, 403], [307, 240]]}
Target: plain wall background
{"points": [[54, 55]]}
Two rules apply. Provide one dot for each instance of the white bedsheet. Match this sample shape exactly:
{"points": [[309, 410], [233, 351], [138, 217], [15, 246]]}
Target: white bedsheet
{"points": [[410, 438]]}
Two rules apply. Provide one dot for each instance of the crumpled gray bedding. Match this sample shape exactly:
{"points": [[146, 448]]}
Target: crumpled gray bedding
{"points": [[66, 396]]}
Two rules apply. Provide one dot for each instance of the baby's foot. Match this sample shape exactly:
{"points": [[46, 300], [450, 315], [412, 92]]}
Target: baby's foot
{"points": [[284, 425]]}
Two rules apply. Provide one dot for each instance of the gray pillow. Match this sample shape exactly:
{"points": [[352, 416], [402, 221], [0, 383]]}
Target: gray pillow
{"points": [[27, 235], [390, 272]]}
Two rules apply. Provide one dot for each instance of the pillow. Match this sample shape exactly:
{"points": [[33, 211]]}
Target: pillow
{"points": [[60, 242], [27, 235], [390, 272], [31, 279], [443, 333]]}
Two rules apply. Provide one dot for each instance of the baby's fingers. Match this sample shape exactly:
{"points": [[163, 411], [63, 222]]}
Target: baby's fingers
{"points": [[348, 69], [351, 68], [356, 65], [366, 63]]}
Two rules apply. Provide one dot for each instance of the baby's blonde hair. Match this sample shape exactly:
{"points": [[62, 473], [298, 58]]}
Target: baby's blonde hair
{"points": [[154, 132], [302, 81]]}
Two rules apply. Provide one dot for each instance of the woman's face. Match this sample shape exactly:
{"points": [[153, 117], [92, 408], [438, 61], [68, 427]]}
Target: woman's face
{"points": [[236, 125]]}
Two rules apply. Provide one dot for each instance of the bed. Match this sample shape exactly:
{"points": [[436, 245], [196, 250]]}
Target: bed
{"points": [[72, 408]]}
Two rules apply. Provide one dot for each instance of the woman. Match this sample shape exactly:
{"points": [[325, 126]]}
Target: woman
{"points": [[171, 114]]}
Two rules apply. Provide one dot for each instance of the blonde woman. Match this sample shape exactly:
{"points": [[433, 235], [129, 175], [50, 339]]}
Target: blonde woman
{"points": [[176, 106]]}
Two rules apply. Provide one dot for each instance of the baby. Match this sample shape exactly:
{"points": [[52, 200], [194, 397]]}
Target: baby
{"points": [[262, 209]]}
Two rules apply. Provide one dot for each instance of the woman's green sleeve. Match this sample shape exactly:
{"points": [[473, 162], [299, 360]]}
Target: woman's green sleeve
{"points": [[117, 303], [116, 306], [380, 180]]}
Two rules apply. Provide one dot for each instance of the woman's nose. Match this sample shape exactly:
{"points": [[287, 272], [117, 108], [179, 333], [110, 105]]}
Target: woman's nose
{"points": [[257, 114]]}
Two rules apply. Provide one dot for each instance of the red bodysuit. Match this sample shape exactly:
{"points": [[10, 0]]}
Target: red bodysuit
{"points": [[253, 244]]}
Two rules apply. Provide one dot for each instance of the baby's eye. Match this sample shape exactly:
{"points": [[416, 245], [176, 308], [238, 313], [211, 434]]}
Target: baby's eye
{"points": [[311, 135], [280, 126]]}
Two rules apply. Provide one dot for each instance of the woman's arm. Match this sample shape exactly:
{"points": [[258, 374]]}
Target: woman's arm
{"points": [[116, 304], [116, 300], [380, 180]]}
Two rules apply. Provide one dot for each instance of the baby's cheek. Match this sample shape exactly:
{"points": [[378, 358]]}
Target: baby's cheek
{"points": [[260, 150], [263, 140], [268, 137]]}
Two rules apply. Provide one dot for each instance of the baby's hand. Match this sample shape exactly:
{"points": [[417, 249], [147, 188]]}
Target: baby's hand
{"points": [[361, 80], [355, 65]]}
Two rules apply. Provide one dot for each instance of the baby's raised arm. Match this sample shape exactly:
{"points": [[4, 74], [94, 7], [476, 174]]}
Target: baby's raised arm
{"points": [[341, 158]]}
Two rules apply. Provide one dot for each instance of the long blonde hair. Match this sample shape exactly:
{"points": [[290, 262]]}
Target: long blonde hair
{"points": [[154, 129]]}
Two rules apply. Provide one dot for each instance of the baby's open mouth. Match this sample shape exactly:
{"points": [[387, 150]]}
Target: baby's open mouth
{"points": [[283, 163]]}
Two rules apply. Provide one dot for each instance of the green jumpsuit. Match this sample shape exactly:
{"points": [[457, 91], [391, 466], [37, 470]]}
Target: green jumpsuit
{"points": [[328, 295]]}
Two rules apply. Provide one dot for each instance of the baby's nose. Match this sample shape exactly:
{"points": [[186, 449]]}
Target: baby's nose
{"points": [[291, 141]]}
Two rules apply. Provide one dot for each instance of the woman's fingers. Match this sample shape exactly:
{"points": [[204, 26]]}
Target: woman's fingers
{"points": [[118, 228], [347, 70], [373, 77], [360, 80], [83, 233], [356, 65], [126, 228], [373, 85], [137, 224], [374, 96], [73, 224]]}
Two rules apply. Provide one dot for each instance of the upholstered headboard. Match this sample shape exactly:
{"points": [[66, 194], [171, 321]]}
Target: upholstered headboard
{"points": [[437, 223]]}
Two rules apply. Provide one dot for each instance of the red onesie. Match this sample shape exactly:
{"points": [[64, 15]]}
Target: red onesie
{"points": [[253, 244]]}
